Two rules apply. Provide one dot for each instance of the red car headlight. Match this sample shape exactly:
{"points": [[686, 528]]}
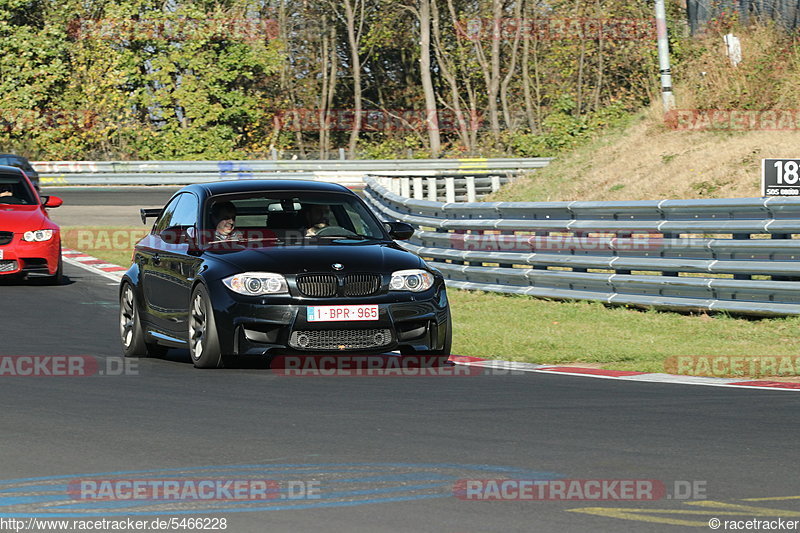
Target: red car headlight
{"points": [[38, 236]]}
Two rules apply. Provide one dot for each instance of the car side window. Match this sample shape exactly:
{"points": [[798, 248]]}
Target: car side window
{"points": [[165, 220], [185, 213]]}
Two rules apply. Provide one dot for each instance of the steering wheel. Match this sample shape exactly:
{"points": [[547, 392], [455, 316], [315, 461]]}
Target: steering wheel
{"points": [[335, 231]]}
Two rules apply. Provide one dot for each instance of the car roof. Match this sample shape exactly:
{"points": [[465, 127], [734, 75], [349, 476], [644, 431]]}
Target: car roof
{"points": [[248, 185], [23, 158], [6, 169]]}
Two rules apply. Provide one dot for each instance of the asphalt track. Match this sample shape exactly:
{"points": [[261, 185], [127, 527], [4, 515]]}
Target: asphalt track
{"points": [[386, 451], [105, 206]]}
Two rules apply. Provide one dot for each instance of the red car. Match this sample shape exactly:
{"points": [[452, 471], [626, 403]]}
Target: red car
{"points": [[29, 241]]}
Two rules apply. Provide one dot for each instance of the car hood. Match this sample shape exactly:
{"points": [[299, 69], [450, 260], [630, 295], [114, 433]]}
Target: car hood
{"points": [[19, 218], [373, 257]]}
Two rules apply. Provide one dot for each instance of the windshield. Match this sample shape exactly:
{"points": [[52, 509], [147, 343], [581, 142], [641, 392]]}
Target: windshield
{"points": [[14, 190], [289, 218]]}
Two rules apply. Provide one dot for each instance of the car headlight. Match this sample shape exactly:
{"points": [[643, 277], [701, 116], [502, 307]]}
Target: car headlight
{"points": [[415, 280], [38, 236], [256, 283]]}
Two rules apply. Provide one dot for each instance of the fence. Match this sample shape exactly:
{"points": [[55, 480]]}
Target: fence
{"points": [[735, 255], [349, 173]]}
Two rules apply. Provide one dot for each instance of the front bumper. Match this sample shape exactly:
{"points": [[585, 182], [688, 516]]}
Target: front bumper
{"points": [[22, 257], [270, 325]]}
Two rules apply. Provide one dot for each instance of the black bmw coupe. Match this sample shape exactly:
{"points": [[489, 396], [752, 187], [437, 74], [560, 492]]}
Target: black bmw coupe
{"points": [[274, 267]]}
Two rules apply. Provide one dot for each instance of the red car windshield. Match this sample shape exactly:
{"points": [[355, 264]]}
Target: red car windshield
{"points": [[15, 190]]}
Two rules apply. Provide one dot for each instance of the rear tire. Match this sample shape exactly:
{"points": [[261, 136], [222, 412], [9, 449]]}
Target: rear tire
{"points": [[204, 346], [130, 328]]}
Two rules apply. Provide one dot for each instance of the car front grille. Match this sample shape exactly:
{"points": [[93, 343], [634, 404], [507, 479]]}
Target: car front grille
{"points": [[340, 339], [326, 285], [317, 285], [361, 284], [8, 265], [5, 237]]}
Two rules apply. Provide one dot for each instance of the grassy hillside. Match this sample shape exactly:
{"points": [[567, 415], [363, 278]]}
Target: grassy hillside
{"points": [[645, 159]]}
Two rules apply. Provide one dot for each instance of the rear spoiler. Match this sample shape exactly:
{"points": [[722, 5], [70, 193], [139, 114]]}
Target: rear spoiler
{"points": [[150, 213]]}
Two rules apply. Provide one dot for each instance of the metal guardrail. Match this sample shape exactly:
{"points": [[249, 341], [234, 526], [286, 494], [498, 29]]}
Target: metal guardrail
{"points": [[734, 255], [450, 188], [350, 173]]}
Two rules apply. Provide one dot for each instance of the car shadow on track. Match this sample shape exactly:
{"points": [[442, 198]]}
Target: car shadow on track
{"points": [[32, 281], [177, 355]]}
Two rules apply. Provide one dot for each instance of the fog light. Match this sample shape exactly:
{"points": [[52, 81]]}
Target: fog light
{"points": [[379, 339], [302, 340]]}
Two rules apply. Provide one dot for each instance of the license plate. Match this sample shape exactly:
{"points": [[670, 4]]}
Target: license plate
{"points": [[341, 313]]}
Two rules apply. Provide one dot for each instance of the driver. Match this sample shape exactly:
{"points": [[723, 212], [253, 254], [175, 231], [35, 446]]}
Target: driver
{"points": [[223, 217], [317, 217], [5, 190]]}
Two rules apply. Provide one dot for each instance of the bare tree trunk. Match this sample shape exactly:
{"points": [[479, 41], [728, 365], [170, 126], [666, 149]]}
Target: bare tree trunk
{"points": [[277, 123], [328, 71], [581, 62], [332, 77], [599, 82], [491, 68], [431, 112], [353, 9], [512, 67], [448, 70], [323, 101], [526, 85]]}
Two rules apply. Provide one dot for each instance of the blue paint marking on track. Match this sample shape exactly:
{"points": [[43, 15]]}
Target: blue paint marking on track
{"points": [[339, 485]]}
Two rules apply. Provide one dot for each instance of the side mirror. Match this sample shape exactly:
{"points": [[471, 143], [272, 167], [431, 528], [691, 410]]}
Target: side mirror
{"points": [[178, 235], [399, 230], [51, 201]]}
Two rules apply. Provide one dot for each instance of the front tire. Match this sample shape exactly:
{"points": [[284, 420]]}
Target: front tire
{"points": [[203, 341]]}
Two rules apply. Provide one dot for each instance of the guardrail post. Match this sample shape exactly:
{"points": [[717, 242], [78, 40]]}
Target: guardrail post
{"points": [[449, 190], [741, 236], [273, 153], [342, 155], [418, 192], [405, 187], [470, 188], [512, 233], [495, 183], [396, 185], [432, 193], [782, 236]]}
